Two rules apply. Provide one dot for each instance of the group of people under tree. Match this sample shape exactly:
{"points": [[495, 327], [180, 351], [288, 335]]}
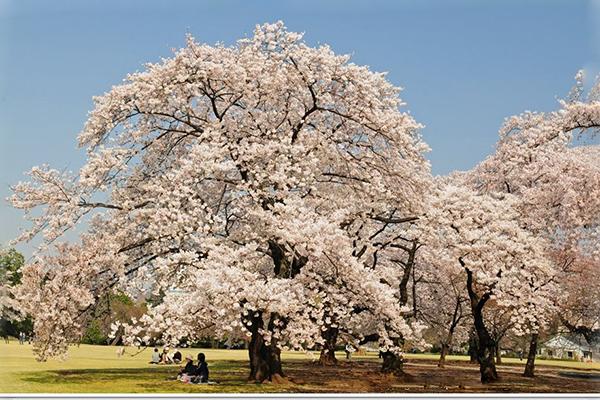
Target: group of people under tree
{"points": [[283, 192], [165, 357]]}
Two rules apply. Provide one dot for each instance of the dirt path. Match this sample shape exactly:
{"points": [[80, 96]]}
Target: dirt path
{"points": [[423, 376]]}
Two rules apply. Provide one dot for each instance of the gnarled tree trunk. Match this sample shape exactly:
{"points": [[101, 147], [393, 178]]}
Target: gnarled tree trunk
{"points": [[327, 356], [485, 344], [392, 363], [530, 365], [485, 351], [265, 359]]}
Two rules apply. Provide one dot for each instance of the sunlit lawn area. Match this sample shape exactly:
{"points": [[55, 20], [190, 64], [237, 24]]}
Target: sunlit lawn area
{"points": [[98, 369]]}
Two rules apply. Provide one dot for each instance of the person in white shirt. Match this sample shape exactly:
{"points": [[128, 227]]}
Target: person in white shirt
{"points": [[155, 356]]}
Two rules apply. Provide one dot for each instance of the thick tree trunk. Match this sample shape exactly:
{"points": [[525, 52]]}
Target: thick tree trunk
{"points": [[392, 364], [485, 349], [485, 355], [265, 359], [485, 345], [443, 353], [327, 356], [530, 365]]}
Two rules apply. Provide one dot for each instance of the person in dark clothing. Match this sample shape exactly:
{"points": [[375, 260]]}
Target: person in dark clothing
{"points": [[189, 371], [177, 357], [202, 369]]}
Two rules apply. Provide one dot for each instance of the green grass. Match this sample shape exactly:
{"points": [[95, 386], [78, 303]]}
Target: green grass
{"points": [[97, 369]]}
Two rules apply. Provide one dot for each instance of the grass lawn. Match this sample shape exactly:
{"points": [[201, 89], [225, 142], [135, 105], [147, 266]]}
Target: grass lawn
{"points": [[98, 369]]}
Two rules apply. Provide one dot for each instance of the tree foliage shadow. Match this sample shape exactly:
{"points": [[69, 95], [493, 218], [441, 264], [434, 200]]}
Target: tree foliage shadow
{"points": [[307, 377], [78, 376], [230, 375]]}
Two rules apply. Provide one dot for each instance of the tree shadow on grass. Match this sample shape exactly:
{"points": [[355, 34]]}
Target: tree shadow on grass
{"points": [[307, 377], [231, 377], [78, 376]]}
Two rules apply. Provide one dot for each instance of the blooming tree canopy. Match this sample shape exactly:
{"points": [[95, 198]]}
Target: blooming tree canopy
{"points": [[543, 159], [579, 280], [442, 303], [246, 183], [540, 158], [480, 237]]}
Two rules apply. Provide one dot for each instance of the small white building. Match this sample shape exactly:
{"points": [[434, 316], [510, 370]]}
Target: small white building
{"points": [[570, 347]]}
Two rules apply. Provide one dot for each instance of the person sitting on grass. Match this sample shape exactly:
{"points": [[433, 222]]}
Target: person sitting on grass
{"points": [[189, 371], [201, 370], [155, 356], [177, 357], [166, 357]]}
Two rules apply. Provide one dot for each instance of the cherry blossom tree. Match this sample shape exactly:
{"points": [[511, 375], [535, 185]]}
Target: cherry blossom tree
{"points": [[479, 236], [443, 306], [540, 159], [384, 245], [579, 279], [249, 184], [395, 260]]}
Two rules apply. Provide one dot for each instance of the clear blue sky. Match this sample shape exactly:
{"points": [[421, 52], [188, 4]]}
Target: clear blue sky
{"points": [[465, 65]]}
